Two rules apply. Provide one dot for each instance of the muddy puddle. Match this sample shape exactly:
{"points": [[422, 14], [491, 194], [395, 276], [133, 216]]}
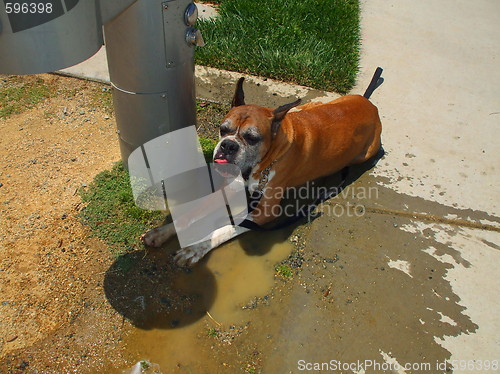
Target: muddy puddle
{"points": [[174, 310]]}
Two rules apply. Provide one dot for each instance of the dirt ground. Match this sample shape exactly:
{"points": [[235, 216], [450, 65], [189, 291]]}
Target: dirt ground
{"points": [[51, 273]]}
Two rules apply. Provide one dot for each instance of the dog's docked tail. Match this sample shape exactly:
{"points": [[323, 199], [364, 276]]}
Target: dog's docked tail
{"points": [[376, 81]]}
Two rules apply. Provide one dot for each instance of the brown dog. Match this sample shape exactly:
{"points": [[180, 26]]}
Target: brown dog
{"points": [[275, 149]]}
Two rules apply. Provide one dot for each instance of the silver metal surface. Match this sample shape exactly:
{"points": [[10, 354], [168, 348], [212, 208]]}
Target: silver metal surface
{"points": [[110, 9], [191, 15], [64, 41], [152, 71], [145, 40], [194, 37], [43, 42]]}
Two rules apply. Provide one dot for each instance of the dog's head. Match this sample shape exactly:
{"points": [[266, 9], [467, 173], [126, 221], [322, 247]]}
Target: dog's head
{"points": [[247, 132]]}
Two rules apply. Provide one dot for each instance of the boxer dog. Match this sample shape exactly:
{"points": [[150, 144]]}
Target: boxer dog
{"points": [[275, 149]]}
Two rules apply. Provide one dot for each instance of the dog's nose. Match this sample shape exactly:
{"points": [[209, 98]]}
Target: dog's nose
{"points": [[229, 147]]}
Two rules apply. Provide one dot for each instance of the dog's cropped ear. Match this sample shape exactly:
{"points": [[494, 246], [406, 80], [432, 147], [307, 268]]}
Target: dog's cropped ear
{"points": [[239, 95], [279, 113]]}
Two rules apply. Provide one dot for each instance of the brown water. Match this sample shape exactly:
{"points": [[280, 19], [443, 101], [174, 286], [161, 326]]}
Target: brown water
{"points": [[230, 279]]}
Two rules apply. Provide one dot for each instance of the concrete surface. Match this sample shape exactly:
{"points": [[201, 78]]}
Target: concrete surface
{"points": [[441, 98], [440, 109], [440, 105]]}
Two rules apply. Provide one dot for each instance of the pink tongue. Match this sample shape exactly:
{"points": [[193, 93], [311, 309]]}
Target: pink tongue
{"points": [[220, 161]]}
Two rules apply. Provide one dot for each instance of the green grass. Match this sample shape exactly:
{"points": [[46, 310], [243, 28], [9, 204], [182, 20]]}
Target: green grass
{"points": [[111, 213], [284, 271], [145, 365], [104, 99], [207, 146], [22, 94], [313, 43], [212, 333]]}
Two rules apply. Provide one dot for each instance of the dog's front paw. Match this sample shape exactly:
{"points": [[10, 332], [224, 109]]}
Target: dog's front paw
{"points": [[150, 238], [189, 256], [157, 236]]}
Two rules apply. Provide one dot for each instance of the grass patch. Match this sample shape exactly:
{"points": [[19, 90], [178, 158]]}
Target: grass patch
{"points": [[284, 271], [314, 43], [103, 99], [208, 146], [21, 94], [111, 212], [212, 333]]}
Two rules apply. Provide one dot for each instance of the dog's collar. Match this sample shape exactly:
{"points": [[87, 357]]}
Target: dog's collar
{"points": [[264, 177]]}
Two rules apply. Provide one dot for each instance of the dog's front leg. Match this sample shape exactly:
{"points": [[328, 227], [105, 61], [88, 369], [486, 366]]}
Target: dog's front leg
{"points": [[191, 255], [159, 235]]}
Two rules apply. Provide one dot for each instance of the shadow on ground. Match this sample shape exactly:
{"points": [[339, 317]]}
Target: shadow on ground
{"points": [[149, 290]]}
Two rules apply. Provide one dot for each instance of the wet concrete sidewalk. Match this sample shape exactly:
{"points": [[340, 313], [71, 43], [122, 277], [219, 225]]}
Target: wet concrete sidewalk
{"points": [[410, 277], [420, 288]]}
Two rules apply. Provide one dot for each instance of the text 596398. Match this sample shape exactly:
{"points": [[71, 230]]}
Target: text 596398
{"points": [[28, 8]]}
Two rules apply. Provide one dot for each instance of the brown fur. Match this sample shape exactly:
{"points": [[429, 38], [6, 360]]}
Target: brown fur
{"points": [[318, 140]]}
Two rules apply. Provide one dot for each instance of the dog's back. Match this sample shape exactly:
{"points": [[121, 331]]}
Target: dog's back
{"points": [[331, 136]]}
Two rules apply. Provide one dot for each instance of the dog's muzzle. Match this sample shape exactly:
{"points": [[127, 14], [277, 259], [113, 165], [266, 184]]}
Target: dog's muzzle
{"points": [[227, 151]]}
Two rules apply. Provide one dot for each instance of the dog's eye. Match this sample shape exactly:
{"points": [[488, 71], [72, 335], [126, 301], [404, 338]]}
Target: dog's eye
{"points": [[251, 138], [224, 130]]}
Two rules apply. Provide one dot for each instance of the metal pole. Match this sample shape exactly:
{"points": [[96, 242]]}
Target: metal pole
{"points": [[151, 66]]}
